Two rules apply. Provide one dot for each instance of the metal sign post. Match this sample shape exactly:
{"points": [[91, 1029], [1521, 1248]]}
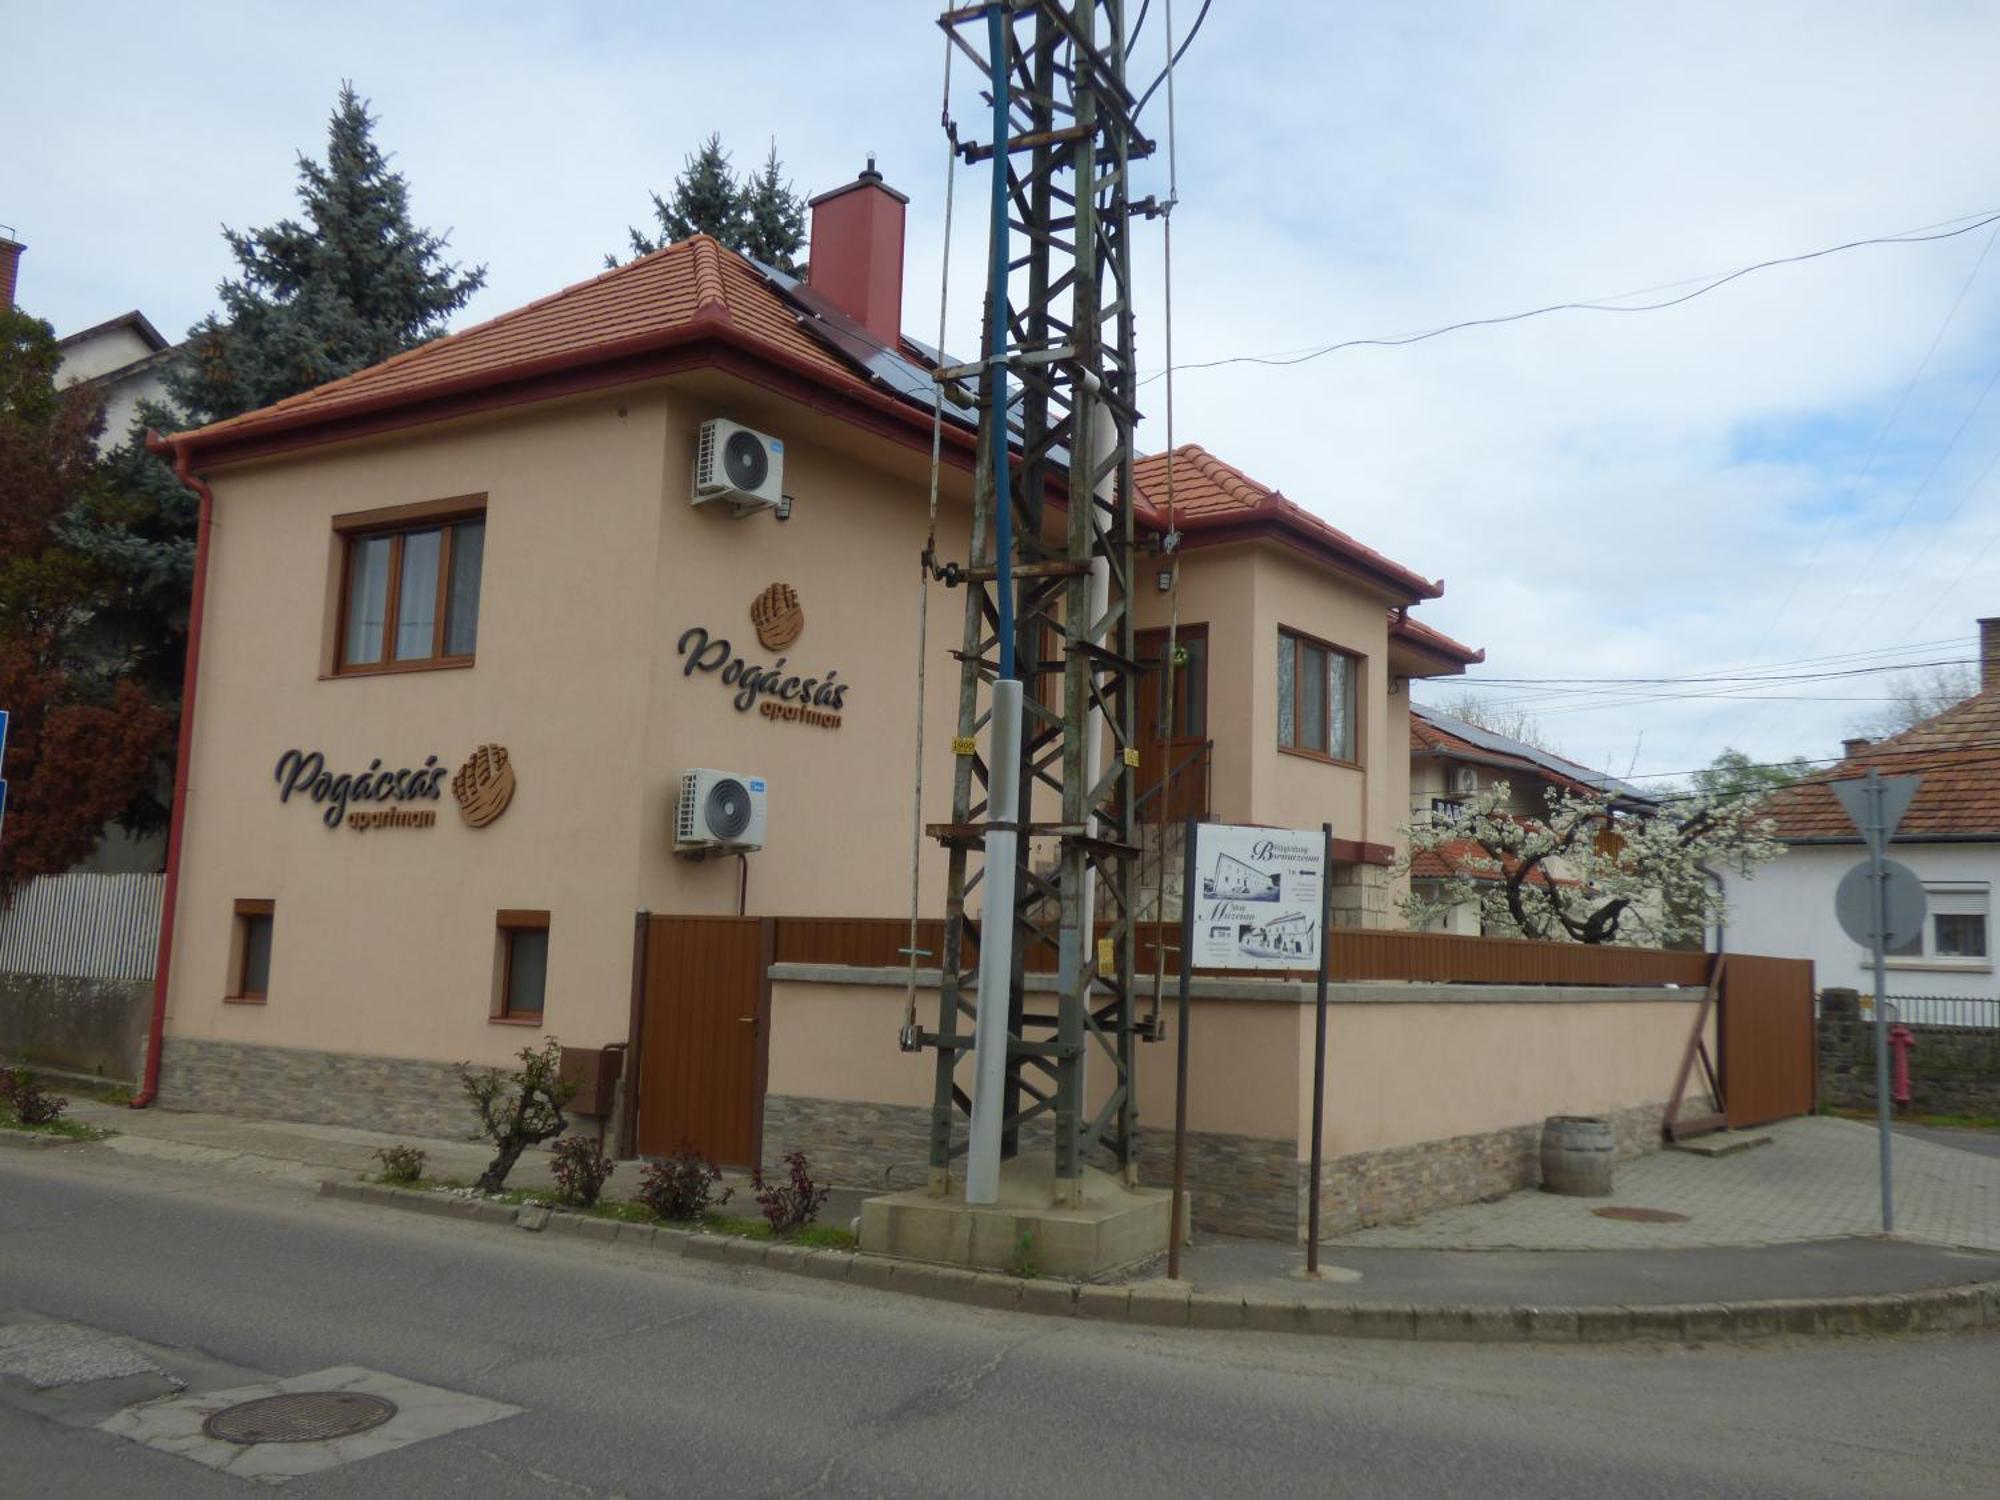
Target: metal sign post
{"points": [[1251, 898], [1319, 1047], [1894, 912], [3, 766]]}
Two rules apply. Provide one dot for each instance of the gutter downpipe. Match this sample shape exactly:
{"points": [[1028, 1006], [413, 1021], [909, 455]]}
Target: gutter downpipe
{"points": [[1003, 792], [177, 818]]}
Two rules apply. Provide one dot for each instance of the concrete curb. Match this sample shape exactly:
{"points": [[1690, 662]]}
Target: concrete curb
{"points": [[26, 1140], [1934, 1310]]}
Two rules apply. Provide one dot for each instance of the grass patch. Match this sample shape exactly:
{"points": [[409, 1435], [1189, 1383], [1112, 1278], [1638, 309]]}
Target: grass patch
{"points": [[69, 1130], [1918, 1117]]}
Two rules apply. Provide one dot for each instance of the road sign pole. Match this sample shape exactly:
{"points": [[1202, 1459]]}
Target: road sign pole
{"points": [[1878, 838]]}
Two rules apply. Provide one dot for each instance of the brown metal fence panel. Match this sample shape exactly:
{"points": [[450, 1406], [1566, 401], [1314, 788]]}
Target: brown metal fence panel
{"points": [[701, 1049], [1768, 1039], [1357, 954]]}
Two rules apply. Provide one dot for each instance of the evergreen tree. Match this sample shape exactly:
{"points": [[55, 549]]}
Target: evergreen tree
{"points": [[355, 284], [774, 218], [759, 215]]}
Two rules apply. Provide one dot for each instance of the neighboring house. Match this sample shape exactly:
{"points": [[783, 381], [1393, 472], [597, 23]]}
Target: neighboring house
{"points": [[125, 360], [1950, 837], [1452, 761], [488, 542]]}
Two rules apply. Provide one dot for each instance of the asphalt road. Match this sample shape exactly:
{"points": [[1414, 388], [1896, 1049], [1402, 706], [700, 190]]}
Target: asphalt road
{"points": [[636, 1377]]}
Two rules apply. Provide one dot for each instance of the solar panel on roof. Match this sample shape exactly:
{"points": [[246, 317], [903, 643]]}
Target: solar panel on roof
{"points": [[1500, 744]]}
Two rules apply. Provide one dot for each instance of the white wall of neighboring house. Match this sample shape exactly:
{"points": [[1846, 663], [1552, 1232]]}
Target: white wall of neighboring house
{"points": [[129, 370], [1786, 909]]}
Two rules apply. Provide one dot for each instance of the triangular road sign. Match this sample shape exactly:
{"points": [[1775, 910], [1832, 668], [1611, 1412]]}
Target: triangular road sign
{"points": [[1897, 793]]}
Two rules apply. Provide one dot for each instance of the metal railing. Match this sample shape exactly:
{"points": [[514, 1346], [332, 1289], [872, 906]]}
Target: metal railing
{"points": [[1954, 1012]]}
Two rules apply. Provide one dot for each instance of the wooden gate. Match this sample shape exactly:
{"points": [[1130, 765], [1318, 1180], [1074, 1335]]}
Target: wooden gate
{"points": [[1769, 1044], [702, 1037]]}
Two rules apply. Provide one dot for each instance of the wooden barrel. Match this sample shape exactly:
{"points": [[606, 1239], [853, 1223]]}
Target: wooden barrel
{"points": [[1576, 1155]]}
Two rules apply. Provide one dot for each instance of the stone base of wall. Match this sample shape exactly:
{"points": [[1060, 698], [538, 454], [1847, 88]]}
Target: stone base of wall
{"points": [[1406, 1182], [1364, 896], [399, 1095], [96, 1027], [1954, 1070], [1237, 1184]]}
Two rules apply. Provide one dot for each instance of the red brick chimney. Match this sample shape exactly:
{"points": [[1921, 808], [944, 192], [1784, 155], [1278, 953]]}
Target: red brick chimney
{"points": [[1989, 654], [10, 266], [856, 257], [1851, 748]]}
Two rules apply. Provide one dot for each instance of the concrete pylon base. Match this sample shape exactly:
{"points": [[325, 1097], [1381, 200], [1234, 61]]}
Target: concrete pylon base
{"points": [[1116, 1226]]}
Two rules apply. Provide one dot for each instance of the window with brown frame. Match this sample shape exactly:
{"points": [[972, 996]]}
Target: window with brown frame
{"points": [[250, 952], [1318, 698], [409, 595], [523, 971]]}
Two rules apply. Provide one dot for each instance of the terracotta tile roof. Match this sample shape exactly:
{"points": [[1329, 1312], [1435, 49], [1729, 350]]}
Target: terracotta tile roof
{"points": [[1213, 497], [1422, 636], [686, 290], [1466, 857], [1957, 754]]}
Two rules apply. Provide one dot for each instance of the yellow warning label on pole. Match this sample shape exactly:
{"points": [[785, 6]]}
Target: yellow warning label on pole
{"points": [[1132, 757], [1107, 955], [964, 744]]}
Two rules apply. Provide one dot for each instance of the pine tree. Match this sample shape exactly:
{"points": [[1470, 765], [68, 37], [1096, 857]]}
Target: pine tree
{"points": [[353, 285], [774, 218], [759, 215]]}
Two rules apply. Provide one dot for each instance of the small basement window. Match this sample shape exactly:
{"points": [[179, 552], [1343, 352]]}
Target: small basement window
{"points": [[522, 971], [250, 952]]}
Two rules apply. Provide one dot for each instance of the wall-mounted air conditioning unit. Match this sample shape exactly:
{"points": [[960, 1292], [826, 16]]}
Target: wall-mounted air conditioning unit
{"points": [[1464, 781], [735, 464], [719, 810]]}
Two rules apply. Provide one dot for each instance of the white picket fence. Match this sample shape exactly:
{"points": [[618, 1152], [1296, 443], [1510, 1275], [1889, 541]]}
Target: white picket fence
{"points": [[83, 927]]}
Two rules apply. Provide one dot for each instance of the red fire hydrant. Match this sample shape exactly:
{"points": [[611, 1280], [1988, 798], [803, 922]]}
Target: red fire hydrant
{"points": [[1901, 1040]]}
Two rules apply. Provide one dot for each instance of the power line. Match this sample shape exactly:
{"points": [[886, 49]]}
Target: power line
{"points": [[1177, 54], [1607, 305]]}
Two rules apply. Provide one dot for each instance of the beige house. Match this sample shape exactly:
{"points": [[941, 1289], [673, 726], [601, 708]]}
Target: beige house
{"points": [[464, 622]]}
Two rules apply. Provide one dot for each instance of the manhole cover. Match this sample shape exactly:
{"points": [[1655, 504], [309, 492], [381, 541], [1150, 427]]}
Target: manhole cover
{"points": [[300, 1417], [1641, 1215]]}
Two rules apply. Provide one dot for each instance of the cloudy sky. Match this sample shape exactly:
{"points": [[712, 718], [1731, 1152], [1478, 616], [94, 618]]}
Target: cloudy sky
{"points": [[1796, 468]]}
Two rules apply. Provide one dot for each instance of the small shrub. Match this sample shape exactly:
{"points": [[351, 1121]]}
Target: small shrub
{"points": [[519, 1110], [682, 1186], [1025, 1260], [25, 1099], [789, 1206], [580, 1169], [401, 1164]]}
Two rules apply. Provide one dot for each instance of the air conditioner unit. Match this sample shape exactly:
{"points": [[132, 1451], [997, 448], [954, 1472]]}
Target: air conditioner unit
{"points": [[733, 463], [719, 810], [1464, 781]]}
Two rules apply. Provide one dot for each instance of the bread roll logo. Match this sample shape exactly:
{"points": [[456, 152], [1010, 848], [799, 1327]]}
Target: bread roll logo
{"points": [[484, 785], [777, 616]]}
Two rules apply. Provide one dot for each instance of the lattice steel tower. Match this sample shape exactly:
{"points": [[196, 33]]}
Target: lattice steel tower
{"points": [[1062, 293]]}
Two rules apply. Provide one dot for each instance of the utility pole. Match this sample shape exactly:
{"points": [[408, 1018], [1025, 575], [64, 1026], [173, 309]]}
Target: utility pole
{"points": [[1046, 662]]}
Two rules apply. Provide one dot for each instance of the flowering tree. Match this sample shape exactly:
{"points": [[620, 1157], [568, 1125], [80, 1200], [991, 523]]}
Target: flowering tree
{"points": [[1582, 873]]}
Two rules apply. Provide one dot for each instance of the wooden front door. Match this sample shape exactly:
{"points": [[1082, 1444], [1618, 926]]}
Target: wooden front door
{"points": [[702, 1039], [1173, 733]]}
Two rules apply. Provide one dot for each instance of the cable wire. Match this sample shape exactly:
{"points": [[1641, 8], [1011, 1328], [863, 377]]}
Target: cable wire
{"points": [[1910, 237]]}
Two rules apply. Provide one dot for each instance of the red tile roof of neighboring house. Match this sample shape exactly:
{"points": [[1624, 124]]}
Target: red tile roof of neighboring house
{"points": [[1957, 753], [1217, 502], [1468, 858]]}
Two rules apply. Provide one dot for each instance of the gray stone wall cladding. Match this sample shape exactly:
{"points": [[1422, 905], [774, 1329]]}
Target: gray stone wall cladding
{"points": [[397, 1095], [90, 1026], [1237, 1184], [1405, 1182], [1953, 1069]]}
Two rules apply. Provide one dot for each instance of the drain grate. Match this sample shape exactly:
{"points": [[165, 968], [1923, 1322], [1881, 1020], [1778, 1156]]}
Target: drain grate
{"points": [[299, 1417], [1641, 1215]]}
